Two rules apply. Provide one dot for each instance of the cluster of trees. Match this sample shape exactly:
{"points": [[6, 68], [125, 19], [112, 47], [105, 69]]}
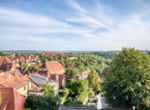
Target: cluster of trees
{"points": [[107, 54], [47, 101], [80, 91], [76, 92], [80, 61], [128, 82], [4, 54]]}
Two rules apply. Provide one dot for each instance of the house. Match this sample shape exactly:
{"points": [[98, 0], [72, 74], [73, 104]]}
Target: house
{"points": [[11, 99], [56, 72], [83, 75], [15, 80], [54, 53], [5, 64], [39, 81], [10, 76]]}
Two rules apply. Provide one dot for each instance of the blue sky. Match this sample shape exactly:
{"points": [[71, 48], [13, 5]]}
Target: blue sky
{"points": [[74, 24]]}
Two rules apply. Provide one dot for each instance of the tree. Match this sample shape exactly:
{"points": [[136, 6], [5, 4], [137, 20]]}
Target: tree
{"points": [[48, 90], [79, 91], [48, 101], [128, 83], [38, 102], [83, 92], [94, 81], [72, 73], [64, 95]]}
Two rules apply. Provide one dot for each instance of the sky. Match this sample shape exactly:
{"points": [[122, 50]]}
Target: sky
{"points": [[60, 25]]}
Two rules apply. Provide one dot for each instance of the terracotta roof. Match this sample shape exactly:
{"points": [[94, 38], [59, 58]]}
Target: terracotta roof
{"points": [[54, 67], [11, 99], [4, 60], [85, 72], [26, 77], [53, 53], [5, 63], [12, 79]]}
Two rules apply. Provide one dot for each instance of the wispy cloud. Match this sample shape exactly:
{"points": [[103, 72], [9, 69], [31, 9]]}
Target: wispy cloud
{"points": [[99, 27]]}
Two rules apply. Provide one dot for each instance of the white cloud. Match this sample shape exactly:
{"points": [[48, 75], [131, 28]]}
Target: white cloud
{"points": [[19, 17], [130, 31]]}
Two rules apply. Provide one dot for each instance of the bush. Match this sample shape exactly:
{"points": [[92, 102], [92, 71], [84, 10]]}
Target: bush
{"points": [[128, 83], [36, 102]]}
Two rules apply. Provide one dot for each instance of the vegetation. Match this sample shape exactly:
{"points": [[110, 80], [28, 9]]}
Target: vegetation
{"points": [[108, 54], [4, 54], [126, 77], [128, 83], [39, 102], [48, 101], [94, 81]]}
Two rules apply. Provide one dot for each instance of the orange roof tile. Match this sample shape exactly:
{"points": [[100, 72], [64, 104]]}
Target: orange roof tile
{"points": [[11, 99], [4, 59], [12, 79], [54, 67]]}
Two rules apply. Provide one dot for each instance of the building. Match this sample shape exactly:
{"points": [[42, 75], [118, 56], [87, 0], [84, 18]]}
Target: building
{"points": [[11, 99], [84, 75], [53, 53], [56, 72], [15, 80], [40, 81], [5, 64]]}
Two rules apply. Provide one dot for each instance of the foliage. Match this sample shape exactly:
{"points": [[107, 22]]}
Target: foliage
{"points": [[48, 101], [37, 102], [72, 72], [4, 54], [48, 90], [63, 94], [108, 54], [79, 91], [94, 81], [128, 83]]}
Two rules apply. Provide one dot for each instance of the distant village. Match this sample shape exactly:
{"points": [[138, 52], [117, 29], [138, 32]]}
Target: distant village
{"points": [[16, 85], [58, 81], [17, 82]]}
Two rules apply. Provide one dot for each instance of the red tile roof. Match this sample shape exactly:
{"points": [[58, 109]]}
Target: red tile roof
{"points": [[5, 64], [4, 60], [11, 99], [13, 79], [53, 53], [54, 67]]}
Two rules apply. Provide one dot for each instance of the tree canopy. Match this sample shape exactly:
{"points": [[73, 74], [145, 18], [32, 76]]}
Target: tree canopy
{"points": [[128, 82]]}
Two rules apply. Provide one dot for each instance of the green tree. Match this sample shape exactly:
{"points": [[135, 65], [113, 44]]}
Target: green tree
{"points": [[48, 90], [128, 83], [38, 102], [79, 91], [64, 95], [94, 81], [71, 73]]}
